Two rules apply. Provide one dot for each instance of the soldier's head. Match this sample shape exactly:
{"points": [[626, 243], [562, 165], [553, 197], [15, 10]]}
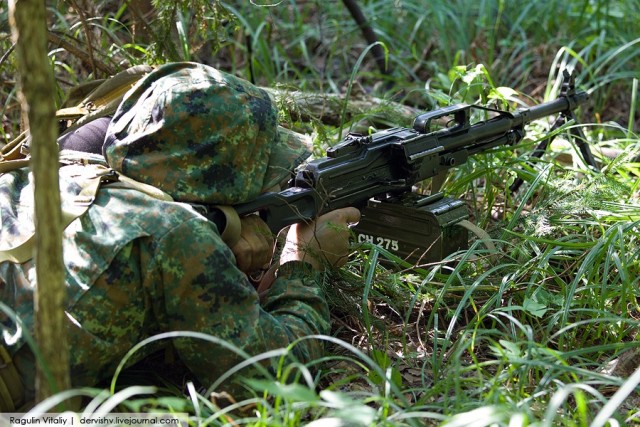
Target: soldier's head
{"points": [[202, 135]]}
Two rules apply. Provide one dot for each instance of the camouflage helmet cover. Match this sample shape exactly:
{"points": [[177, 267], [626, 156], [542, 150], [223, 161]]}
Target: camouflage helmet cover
{"points": [[201, 135]]}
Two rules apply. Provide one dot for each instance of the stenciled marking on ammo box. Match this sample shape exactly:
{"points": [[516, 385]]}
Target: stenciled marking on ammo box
{"points": [[413, 230]]}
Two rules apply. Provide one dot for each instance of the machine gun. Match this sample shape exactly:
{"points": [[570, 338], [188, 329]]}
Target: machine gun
{"points": [[376, 173]]}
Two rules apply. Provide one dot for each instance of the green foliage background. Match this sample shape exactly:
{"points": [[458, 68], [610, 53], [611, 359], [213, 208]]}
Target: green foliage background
{"points": [[520, 336]]}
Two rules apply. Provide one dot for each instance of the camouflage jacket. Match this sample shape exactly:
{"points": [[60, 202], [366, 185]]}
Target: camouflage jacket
{"points": [[137, 266]]}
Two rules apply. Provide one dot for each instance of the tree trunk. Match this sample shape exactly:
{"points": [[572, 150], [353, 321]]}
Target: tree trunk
{"points": [[330, 109], [29, 30]]}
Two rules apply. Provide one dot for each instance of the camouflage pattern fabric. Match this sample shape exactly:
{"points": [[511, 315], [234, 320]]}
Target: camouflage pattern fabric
{"points": [[137, 266], [201, 135]]}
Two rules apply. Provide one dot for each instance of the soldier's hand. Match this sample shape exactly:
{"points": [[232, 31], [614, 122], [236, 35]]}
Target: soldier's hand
{"points": [[324, 242], [255, 248]]}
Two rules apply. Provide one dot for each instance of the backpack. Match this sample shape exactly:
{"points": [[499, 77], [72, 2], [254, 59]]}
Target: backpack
{"points": [[85, 102]]}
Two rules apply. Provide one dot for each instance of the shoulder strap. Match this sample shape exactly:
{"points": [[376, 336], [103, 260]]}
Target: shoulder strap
{"points": [[102, 100], [90, 184], [12, 156], [11, 165], [91, 178]]}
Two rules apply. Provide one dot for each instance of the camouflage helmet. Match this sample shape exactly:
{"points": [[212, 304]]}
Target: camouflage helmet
{"points": [[201, 135]]}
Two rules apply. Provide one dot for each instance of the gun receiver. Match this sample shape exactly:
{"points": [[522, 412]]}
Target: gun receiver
{"points": [[386, 164]]}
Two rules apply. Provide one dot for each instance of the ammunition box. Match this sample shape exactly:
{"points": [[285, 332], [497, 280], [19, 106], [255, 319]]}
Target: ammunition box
{"points": [[419, 229]]}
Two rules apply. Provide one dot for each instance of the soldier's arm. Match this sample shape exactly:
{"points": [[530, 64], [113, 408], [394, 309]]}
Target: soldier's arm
{"points": [[198, 287]]}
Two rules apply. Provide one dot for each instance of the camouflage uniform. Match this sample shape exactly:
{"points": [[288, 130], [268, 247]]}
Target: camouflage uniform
{"points": [[136, 265]]}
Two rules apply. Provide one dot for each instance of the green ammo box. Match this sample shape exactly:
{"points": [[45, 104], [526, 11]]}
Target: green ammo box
{"points": [[419, 229]]}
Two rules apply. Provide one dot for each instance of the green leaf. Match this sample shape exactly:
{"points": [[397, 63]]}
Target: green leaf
{"points": [[381, 358], [396, 378], [294, 391], [348, 409], [507, 349], [534, 308], [336, 399]]}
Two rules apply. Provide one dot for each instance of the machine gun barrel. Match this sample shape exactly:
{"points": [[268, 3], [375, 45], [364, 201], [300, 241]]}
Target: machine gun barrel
{"points": [[563, 104], [466, 134]]}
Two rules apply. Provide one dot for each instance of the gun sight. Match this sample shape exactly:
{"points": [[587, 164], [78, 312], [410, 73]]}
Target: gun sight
{"points": [[352, 142]]}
